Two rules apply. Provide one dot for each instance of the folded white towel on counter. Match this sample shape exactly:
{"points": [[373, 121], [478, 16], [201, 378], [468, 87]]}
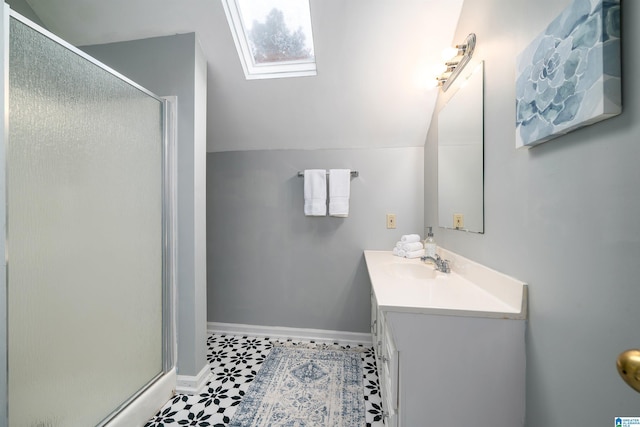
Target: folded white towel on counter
{"points": [[401, 253], [415, 254], [410, 247], [339, 192], [410, 238], [315, 192], [395, 251], [399, 245]]}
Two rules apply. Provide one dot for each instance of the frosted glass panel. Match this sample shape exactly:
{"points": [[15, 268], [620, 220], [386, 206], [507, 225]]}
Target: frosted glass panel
{"points": [[84, 173]]}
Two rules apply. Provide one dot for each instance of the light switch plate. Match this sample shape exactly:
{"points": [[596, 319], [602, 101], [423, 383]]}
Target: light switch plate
{"points": [[391, 220], [458, 220]]}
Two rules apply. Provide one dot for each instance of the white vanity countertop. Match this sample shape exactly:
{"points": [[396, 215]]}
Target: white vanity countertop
{"points": [[410, 285]]}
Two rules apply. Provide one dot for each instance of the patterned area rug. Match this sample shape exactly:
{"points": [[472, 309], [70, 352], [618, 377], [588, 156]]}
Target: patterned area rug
{"points": [[309, 387]]}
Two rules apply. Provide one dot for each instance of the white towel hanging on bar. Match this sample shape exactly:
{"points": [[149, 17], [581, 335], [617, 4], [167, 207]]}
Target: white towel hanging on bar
{"points": [[339, 192], [315, 192]]}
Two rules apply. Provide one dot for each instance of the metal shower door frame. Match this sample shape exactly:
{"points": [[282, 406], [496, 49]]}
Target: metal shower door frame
{"points": [[169, 198]]}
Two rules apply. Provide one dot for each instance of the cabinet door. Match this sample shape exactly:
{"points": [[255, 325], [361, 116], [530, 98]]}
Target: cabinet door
{"points": [[374, 318], [388, 371]]}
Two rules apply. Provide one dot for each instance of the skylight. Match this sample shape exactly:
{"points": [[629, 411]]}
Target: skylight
{"points": [[273, 37]]}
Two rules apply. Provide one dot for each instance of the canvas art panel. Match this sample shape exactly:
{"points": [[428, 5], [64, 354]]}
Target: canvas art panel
{"points": [[569, 76]]}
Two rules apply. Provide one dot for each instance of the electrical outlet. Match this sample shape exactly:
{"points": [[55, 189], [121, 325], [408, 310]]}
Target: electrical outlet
{"points": [[458, 220], [391, 220]]}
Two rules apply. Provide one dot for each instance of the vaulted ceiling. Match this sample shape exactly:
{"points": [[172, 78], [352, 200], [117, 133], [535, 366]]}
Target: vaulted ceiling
{"points": [[369, 54]]}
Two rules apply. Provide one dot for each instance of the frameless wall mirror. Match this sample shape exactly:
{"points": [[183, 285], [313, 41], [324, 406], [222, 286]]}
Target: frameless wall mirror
{"points": [[460, 155]]}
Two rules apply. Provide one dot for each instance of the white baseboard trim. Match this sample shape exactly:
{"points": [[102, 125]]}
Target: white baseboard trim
{"points": [[140, 411], [318, 335], [189, 384]]}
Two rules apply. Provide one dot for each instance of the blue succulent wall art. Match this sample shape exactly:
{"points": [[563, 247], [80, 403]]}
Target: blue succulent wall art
{"points": [[569, 76]]}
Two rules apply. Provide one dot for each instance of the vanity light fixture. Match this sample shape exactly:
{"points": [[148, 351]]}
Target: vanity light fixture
{"points": [[458, 58]]}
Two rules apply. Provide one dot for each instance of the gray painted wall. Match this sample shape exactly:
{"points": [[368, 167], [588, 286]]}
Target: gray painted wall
{"points": [[562, 217], [270, 265], [173, 66]]}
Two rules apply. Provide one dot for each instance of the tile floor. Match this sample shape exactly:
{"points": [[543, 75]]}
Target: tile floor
{"points": [[235, 361]]}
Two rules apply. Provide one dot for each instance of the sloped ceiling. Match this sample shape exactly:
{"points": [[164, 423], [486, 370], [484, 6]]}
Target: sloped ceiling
{"points": [[368, 53]]}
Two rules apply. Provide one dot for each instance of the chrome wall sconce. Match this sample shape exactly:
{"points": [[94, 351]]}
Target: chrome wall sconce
{"points": [[458, 58]]}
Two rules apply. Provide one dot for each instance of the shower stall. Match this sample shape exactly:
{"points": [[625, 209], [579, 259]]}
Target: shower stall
{"points": [[87, 203]]}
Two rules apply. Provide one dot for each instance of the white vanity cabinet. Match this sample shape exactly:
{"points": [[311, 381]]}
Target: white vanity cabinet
{"points": [[387, 363], [445, 364]]}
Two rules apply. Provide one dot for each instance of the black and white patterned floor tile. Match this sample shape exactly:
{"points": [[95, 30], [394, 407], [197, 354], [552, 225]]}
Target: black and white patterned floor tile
{"points": [[235, 361]]}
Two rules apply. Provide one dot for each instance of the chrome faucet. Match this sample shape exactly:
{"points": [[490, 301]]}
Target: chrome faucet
{"points": [[441, 264]]}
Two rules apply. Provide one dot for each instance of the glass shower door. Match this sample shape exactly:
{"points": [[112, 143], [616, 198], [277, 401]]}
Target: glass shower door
{"points": [[84, 170]]}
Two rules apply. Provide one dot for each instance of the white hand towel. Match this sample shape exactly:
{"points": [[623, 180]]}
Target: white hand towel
{"points": [[410, 238], [395, 251], [339, 191], [315, 192], [401, 253], [399, 245], [410, 247], [415, 254]]}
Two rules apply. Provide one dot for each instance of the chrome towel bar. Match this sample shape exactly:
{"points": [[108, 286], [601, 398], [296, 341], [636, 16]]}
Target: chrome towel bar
{"points": [[354, 174]]}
